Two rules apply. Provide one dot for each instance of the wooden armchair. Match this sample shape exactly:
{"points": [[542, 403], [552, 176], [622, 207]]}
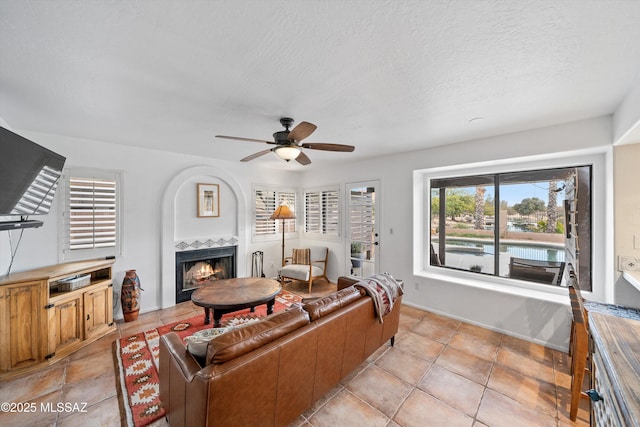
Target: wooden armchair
{"points": [[306, 265]]}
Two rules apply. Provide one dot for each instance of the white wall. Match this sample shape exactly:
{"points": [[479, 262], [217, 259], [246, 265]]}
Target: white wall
{"points": [[146, 173], [627, 217], [190, 226], [531, 318], [626, 119]]}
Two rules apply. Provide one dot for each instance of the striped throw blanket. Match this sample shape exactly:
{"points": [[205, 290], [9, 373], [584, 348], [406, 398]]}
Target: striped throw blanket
{"points": [[384, 290]]}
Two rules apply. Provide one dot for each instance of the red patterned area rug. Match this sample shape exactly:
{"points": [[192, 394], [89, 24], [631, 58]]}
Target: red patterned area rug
{"points": [[137, 360]]}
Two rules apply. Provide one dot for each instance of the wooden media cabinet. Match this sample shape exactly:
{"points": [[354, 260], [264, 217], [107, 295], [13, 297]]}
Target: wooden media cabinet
{"points": [[41, 322]]}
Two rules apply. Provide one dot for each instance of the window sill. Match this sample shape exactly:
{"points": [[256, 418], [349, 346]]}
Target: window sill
{"points": [[317, 236], [554, 294], [260, 238]]}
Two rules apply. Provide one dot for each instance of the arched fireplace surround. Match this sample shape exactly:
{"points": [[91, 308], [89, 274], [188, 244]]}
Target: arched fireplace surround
{"points": [[170, 243]]}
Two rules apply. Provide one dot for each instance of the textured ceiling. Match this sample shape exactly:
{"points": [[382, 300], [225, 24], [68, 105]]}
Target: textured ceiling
{"points": [[383, 75]]}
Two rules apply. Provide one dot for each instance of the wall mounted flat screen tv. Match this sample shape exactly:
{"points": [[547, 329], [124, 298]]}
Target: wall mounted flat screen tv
{"points": [[29, 175]]}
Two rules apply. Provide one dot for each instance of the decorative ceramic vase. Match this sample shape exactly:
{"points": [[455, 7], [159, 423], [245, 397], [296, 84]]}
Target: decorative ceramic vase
{"points": [[130, 296]]}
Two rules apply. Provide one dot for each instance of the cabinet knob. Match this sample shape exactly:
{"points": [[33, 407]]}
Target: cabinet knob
{"points": [[594, 395]]}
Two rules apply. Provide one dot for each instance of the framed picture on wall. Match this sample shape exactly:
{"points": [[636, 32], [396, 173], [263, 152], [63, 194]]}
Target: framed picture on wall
{"points": [[208, 200]]}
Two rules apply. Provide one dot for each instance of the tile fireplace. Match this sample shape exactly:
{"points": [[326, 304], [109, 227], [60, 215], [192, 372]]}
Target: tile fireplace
{"points": [[197, 266]]}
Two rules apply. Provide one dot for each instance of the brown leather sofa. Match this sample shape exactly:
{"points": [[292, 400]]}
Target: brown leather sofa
{"points": [[269, 372]]}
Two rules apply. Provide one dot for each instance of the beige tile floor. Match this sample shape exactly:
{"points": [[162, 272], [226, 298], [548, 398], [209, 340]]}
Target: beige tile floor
{"points": [[441, 372]]}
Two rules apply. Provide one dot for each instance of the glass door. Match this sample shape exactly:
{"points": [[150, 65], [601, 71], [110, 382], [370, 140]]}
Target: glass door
{"points": [[362, 228]]}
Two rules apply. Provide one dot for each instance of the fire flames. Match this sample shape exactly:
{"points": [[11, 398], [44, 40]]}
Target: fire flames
{"points": [[202, 271]]}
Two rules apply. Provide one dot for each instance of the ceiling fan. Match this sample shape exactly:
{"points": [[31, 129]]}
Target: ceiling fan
{"points": [[287, 143]]}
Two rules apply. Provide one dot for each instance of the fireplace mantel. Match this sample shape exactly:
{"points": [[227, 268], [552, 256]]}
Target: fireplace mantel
{"points": [[205, 242]]}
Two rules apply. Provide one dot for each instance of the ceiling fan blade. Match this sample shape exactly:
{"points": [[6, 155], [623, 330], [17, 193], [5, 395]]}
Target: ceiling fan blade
{"points": [[237, 138], [256, 155], [300, 132], [328, 147], [303, 159]]}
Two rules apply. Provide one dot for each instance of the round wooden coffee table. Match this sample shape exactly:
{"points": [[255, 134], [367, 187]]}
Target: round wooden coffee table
{"points": [[225, 296]]}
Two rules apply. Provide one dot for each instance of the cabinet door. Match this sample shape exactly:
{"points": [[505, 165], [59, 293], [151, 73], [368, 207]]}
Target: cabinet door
{"points": [[65, 324], [98, 310], [22, 308]]}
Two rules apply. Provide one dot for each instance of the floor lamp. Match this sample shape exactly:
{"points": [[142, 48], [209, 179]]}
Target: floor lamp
{"points": [[283, 212]]}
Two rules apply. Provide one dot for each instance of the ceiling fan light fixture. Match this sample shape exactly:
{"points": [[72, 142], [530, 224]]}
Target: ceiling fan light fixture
{"points": [[287, 152], [287, 143]]}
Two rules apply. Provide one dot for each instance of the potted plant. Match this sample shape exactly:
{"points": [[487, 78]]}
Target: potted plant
{"points": [[356, 254]]}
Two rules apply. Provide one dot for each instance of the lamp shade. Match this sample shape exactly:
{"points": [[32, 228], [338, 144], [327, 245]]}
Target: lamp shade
{"points": [[282, 212], [287, 152]]}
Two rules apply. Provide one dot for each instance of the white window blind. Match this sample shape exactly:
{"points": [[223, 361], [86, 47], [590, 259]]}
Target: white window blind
{"points": [[312, 210], [38, 197], [362, 214], [289, 199], [92, 213], [266, 201], [90, 220], [265, 204], [322, 212]]}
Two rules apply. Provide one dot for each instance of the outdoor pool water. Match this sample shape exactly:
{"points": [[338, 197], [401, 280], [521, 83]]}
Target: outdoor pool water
{"points": [[539, 252]]}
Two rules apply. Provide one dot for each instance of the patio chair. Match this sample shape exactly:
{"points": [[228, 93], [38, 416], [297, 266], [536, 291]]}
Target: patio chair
{"points": [[435, 259], [549, 272]]}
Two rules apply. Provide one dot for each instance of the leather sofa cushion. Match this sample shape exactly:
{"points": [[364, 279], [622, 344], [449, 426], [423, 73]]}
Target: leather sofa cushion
{"points": [[247, 338], [330, 303]]}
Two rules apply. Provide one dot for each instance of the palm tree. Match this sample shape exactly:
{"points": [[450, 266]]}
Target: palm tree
{"points": [[479, 211], [552, 207]]}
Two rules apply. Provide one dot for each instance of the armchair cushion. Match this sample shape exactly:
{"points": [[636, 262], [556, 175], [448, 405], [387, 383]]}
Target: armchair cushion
{"points": [[300, 271], [301, 256], [318, 253]]}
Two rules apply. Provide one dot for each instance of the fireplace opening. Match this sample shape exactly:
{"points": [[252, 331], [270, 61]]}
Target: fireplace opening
{"points": [[195, 268]]}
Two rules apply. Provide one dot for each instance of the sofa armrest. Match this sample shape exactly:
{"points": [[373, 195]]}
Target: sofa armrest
{"points": [[346, 281], [179, 355], [178, 373]]}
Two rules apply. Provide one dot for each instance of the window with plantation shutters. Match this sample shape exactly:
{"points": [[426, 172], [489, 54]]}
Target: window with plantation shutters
{"points": [[265, 204], [90, 217], [289, 199], [92, 213], [266, 200], [322, 212]]}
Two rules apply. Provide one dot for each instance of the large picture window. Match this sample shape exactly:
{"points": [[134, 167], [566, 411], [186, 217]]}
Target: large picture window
{"points": [[522, 225]]}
